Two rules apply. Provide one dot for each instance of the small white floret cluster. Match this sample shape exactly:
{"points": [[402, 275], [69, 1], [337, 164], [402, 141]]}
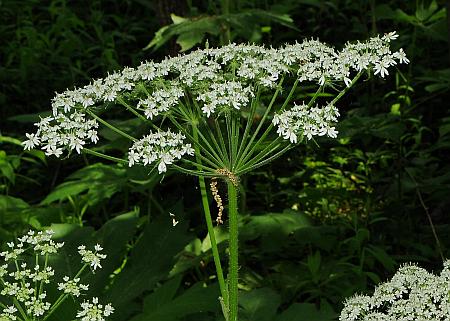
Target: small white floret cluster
{"points": [[412, 294], [59, 132], [307, 122], [214, 79], [93, 258], [161, 147], [160, 101], [93, 311], [25, 286], [72, 286], [227, 94]]}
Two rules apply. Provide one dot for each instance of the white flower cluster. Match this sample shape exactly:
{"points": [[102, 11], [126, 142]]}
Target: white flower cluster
{"points": [[160, 101], [93, 311], [72, 287], [69, 131], [227, 94], [413, 294], [26, 285], [161, 147], [19, 286], [8, 313], [90, 257], [324, 65], [215, 78], [302, 121]]}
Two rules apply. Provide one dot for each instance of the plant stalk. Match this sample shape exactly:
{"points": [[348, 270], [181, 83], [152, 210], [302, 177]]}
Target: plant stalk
{"points": [[233, 248], [209, 224]]}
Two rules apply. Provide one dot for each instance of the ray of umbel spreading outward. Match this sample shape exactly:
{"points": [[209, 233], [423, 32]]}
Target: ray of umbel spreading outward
{"points": [[217, 113]]}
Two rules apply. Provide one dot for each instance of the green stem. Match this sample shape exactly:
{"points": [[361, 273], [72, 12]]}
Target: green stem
{"points": [[131, 109], [41, 285], [343, 92], [249, 148], [101, 155], [266, 161], [134, 112], [209, 224], [63, 296], [251, 115], [192, 172], [112, 127], [217, 161], [233, 249], [20, 309]]}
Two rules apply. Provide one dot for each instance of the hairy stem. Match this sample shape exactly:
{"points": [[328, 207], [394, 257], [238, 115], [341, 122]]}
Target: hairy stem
{"points": [[233, 248]]}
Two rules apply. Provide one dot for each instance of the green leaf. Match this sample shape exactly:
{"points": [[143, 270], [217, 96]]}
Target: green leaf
{"points": [[177, 19], [444, 129], [424, 13], [395, 109], [189, 32], [150, 262], [162, 305], [99, 181], [159, 38], [273, 228], [9, 203], [10, 140], [7, 170], [260, 304], [113, 237], [380, 254], [392, 131], [188, 40]]}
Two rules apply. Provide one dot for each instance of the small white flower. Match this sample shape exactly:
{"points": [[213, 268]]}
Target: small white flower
{"points": [[160, 147], [401, 56], [93, 311], [390, 36], [381, 68], [90, 257], [8, 313], [72, 287], [32, 141]]}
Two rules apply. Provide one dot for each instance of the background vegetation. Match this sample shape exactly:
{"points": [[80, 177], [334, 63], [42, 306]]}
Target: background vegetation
{"points": [[317, 225]]}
